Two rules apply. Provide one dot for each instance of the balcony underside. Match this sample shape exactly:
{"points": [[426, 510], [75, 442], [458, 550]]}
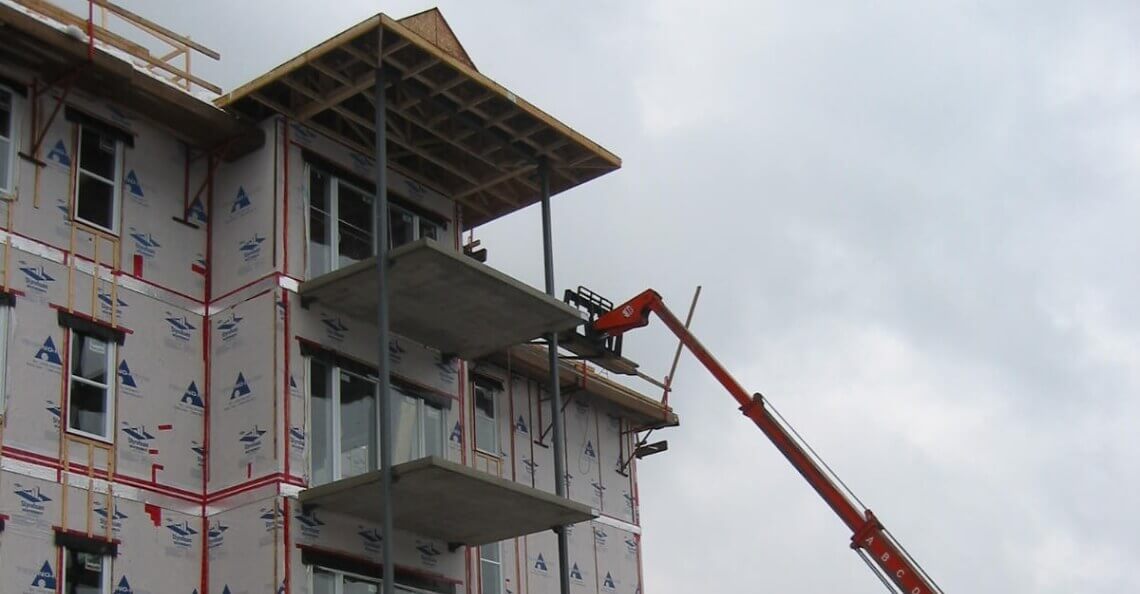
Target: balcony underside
{"points": [[444, 300], [450, 502]]}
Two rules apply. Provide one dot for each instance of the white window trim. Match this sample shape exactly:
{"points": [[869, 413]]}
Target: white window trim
{"points": [[116, 185], [9, 191], [105, 572], [112, 382], [338, 584], [332, 194], [476, 413], [5, 313], [334, 397], [421, 420], [499, 563]]}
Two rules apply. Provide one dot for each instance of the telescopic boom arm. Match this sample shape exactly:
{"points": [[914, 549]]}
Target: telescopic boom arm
{"points": [[869, 538]]}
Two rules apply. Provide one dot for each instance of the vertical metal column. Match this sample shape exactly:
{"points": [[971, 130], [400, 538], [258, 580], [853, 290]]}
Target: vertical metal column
{"points": [[380, 202], [555, 391]]}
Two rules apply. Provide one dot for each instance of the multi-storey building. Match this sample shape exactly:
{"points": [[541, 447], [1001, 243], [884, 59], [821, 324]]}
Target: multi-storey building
{"points": [[188, 313]]}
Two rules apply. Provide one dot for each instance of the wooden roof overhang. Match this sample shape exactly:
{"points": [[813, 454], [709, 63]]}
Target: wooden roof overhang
{"points": [[447, 124]]}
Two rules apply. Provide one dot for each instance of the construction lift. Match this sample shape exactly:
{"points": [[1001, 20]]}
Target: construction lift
{"points": [[898, 571]]}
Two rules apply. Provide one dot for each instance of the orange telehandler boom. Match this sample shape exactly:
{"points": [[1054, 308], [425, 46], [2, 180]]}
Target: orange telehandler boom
{"points": [[869, 538]]}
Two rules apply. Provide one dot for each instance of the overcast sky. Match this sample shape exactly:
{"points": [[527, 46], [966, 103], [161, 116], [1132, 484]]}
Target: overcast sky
{"points": [[914, 229]]}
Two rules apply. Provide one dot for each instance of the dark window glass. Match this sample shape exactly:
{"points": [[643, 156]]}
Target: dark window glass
{"points": [[89, 401], [320, 252], [97, 153], [96, 201], [95, 194], [402, 225], [320, 390], [355, 225], [84, 573], [5, 114]]}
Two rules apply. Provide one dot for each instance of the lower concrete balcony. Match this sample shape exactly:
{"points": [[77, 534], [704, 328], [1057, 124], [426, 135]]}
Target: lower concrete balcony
{"points": [[445, 300], [443, 500]]}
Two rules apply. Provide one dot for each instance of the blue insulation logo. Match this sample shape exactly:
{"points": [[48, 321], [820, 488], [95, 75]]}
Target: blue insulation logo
{"points": [[145, 243], [251, 440], [31, 499], [180, 327], [229, 326], [540, 563], [196, 211], [133, 185], [250, 249], [371, 538], [124, 587], [125, 377], [191, 397], [35, 277], [215, 534], [58, 154], [334, 327], [310, 524], [45, 578], [241, 201], [49, 353], [241, 388], [182, 535]]}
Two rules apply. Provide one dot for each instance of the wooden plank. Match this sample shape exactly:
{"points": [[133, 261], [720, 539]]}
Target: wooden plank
{"points": [[158, 29], [337, 97], [333, 44], [394, 26], [509, 175], [54, 12]]}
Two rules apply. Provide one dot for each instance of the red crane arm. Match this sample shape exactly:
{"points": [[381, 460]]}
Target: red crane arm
{"points": [[868, 533]]}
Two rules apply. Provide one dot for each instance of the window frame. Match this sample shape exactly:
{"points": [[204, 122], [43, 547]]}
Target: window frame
{"points": [[333, 382], [497, 562], [340, 574], [105, 570], [8, 188], [487, 387], [334, 180], [116, 183], [398, 391], [5, 313], [332, 196], [109, 358]]}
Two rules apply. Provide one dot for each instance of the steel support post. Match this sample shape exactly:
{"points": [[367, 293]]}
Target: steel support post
{"points": [[380, 205], [553, 388]]}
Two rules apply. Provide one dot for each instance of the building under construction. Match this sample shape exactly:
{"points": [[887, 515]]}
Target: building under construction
{"points": [[190, 310]]}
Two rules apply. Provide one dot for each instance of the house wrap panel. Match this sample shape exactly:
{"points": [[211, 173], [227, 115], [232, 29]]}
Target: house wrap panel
{"points": [[242, 392]]}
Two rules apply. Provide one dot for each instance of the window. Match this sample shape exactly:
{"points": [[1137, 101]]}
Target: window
{"points": [[418, 426], [491, 569], [486, 427], [90, 397], [8, 137], [97, 188], [407, 226], [86, 573], [342, 223], [328, 581], [345, 423]]}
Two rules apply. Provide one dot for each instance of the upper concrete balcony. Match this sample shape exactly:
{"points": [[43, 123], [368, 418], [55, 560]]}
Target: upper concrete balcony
{"points": [[445, 300]]}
